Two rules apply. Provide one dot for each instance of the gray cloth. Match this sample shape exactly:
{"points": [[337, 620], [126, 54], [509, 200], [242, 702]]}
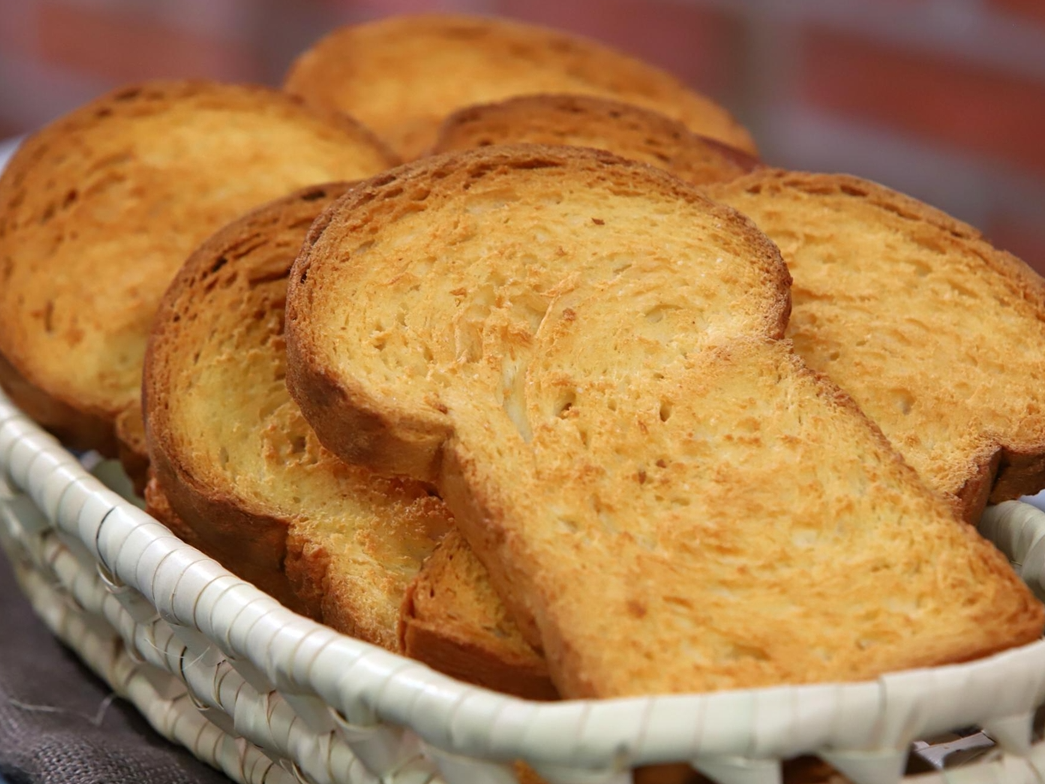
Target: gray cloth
{"points": [[59, 723]]}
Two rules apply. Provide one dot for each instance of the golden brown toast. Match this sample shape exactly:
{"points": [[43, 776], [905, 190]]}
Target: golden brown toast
{"points": [[237, 465], [99, 209], [583, 121], [939, 337], [402, 75], [585, 356], [450, 607]]}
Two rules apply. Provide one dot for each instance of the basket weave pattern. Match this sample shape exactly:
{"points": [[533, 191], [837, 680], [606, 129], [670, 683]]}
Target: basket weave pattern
{"points": [[268, 696]]}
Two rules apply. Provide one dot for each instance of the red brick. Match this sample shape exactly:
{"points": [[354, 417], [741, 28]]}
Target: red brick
{"points": [[701, 46], [943, 99], [1028, 9], [1019, 238], [128, 47], [17, 28]]}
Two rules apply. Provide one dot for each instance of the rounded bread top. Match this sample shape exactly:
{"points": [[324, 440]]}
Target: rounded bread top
{"points": [[99, 209], [239, 464], [465, 245], [584, 121], [402, 75]]}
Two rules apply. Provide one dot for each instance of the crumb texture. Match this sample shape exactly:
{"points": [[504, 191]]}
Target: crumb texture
{"points": [[586, 356], [99, 209], [934, 333], [238, 463]]}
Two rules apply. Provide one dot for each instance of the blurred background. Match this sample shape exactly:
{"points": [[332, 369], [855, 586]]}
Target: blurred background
{"points": [[942, 99]]}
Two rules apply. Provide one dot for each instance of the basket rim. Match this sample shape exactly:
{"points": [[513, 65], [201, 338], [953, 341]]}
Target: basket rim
{"points": [[366, 685]]}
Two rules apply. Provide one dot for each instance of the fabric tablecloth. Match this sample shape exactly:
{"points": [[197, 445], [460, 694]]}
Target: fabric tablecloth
{"points": [[59, 724]]}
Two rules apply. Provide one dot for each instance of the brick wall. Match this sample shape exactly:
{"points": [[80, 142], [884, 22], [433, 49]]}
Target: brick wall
{"points": [[944, 99]]}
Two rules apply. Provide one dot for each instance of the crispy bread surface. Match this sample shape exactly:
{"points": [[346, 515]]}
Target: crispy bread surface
{"points": [[585, 356], [938, 336], [99, 209], [583, 121], [451, 608], [403, 75], [235, 459], [237, 465]]}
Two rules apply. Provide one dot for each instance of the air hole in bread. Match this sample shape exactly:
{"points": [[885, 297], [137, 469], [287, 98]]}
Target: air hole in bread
{"points": [[641, 476], [898, 212], [930, 243], [962, 291], [738, 651], [313, 195], [921, 269], [217, 265], [666, 408], [656, 314], [852, 190], [564, 404], [904, 401], [568, 524]]}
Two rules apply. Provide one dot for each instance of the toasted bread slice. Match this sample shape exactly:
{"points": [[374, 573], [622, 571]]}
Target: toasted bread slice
{"points": [[237, 465], [585, 356], [99, 209], [939, 337], [583, 121], [402, 75], [450, 608]]}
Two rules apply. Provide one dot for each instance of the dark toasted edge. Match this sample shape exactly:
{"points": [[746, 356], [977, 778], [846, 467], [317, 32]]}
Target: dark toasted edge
{"points": [[219, 519], [455, 647], [1004, 468], [368, 432], [227, 547], [78, 429], [458, 123], [468, 659]]}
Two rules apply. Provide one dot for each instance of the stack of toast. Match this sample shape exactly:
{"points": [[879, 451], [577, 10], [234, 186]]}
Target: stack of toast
{"points": [[542, 406]]}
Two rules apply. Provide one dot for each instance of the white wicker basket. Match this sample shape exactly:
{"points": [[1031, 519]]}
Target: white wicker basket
{"points": [[269, 696]]}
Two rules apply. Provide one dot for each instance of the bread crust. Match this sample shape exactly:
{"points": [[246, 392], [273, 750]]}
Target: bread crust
{"points": [[986, 443], [370, 431], [402, 75], [333, 542], [629, 131], [98, 210], [630, 460]]}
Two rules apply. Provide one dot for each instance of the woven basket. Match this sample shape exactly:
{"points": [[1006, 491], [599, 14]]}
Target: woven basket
{"points": [[268, 696]]}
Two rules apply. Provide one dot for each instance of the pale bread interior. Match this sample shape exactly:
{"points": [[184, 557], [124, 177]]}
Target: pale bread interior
{"points": [[938, 337], [582, 354]]}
